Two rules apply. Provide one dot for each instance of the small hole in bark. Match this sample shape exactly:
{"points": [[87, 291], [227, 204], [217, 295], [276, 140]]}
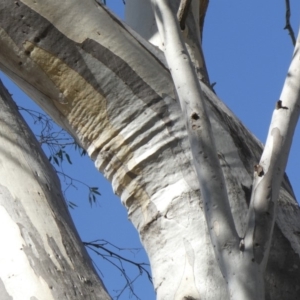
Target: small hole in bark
{"points": [[195, 116], [20, 63], [259, 170], [27, 52], [36, 39]]}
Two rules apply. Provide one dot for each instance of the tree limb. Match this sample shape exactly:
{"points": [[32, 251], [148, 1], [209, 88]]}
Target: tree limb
{"points": [[212, 185], [127, 94], [183, 12], [269, 172], [288, 26]]}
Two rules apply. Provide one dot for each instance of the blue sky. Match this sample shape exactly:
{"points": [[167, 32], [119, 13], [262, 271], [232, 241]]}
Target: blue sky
{"points": [[247, 53]]}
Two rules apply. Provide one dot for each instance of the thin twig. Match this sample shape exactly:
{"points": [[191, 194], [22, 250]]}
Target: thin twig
{"points": [[100, 247], [113, 254], [288, 26], [183, 12]]}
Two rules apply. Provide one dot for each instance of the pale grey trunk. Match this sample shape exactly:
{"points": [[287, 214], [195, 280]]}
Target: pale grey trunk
{"points": [[41, 256], [115, 95], [242, 258]]}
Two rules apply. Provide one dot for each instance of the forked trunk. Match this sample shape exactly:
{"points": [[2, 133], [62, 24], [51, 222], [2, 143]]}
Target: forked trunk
{"points": [[113, 92]]}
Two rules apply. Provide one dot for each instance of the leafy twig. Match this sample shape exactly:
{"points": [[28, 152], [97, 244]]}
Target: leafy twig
{"points": [[69, 181], [100, 247]]}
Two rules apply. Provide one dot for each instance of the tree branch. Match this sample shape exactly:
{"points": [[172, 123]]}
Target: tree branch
{"points": [[101, 248], [269, 172], [288, 26], [192, 43], [212, 185], [183, 12]]}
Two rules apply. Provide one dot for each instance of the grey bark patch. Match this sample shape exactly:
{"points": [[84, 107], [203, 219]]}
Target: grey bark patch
{"points": [[64, 283], [44, 267], [282, 275], [244, 142], [247, 192]]}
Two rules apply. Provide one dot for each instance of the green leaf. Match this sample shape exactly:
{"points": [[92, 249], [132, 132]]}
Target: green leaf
{"points": [[68, 158], [72, 205], [56, 160], [95, 190], [60, 155]]}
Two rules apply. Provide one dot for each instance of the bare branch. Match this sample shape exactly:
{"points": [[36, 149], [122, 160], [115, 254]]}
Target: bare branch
{"points": [[288, 26], [183, 12], [269, 172], [101, 248], [211, 180]]}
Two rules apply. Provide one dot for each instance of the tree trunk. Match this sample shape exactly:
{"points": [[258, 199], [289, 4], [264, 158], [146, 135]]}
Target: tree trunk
{"points": [[112, 91], [41, 256]]}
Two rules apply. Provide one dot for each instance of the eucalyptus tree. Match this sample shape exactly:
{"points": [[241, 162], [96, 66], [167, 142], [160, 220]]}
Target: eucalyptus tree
{"points": [[198, 186]]}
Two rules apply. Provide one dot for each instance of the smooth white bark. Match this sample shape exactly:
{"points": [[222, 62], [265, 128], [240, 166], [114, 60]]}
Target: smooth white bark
{"points": [[116, 97], [41, 255], [140, 17], [206, 162], [243, 275], [269, 172]]}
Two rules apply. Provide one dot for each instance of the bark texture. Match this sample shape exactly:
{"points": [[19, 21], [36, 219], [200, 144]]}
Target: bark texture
{"points": [[114, 94], [41, 256], [242, 258], [140, 17]]}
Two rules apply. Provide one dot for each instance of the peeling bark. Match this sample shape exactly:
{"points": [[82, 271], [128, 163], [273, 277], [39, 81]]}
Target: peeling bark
{"points": [[114, 94], [42, 256]]}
